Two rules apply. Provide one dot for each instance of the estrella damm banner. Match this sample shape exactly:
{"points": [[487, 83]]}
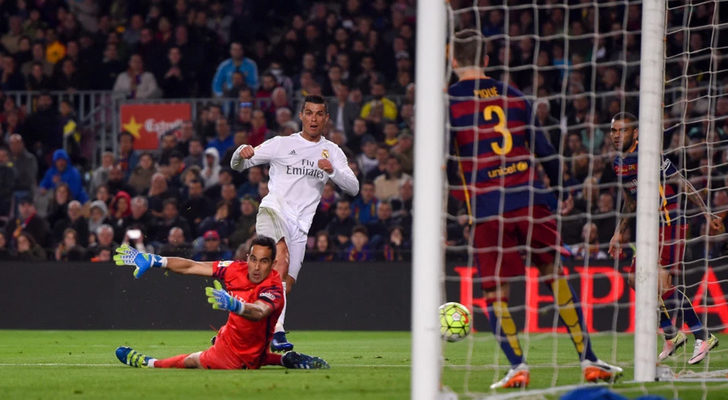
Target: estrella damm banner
{"points": [[148, 122]]}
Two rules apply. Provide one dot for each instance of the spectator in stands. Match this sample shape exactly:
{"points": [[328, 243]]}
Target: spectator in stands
{"points": [[213, 250], [67, 78], [117, 182], [548, 123], [244, 227], [27, 249], [135, 82], [170, 218], [74, 219], [323, 250], [104, 240], [58, 207], [7, 181], [11, 78], [42, 131], [397, 248], [259, 126], [236, 62], [342, 223], [343, 111], [364, 207], [37, 57], [367, 160], [167, 145], [382, 154], [29, 221], [120, 207], [140, 218], [387, 185], [98, 215], [110, 67], [404, 150], [196, 207], [158, 192], [589, 248], [176, 245], [389, 107], [69, 249], [62, 171], [357, 249], [402, 203], [223, 139], [391, 134], [195, 153], [572, 221], [128, 157], [177, 78], [379, 228], [220, 222], [255, 176], [141, 177], [174, 172]]}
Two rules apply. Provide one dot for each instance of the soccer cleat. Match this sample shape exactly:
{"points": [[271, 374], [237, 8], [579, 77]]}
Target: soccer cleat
{"points": [[132, 358], [302, 361], [702, 347], [280, 343], [599, 370], [672, 345], [516, 377]]}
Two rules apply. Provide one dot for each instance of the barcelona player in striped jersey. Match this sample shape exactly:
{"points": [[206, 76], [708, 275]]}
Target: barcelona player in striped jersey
{"points": [[624, 134], [495, 144]]}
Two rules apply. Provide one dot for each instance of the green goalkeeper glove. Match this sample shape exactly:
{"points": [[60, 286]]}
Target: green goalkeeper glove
{"points": [[222, 300], [126, 255]]}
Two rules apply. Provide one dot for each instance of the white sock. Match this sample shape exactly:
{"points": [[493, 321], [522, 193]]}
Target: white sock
{"points": [[282, 317], [150, 363]]}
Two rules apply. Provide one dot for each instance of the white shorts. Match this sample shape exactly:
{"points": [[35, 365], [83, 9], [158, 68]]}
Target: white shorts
{"points": [[270, 223]]}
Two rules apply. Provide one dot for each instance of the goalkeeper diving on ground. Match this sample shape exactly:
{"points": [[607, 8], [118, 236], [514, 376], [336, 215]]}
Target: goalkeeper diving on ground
{"points": [[253, 299]]}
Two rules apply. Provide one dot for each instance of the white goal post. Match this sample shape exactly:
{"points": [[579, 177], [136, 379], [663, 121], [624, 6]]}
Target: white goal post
{"points": [[428, 226], [650, 155]]}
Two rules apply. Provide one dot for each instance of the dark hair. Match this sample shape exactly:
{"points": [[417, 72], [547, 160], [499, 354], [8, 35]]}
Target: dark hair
{"points": [[468, 48], [625, 116], [126, 133], [360, 229], [265, 241], [315, 99]]}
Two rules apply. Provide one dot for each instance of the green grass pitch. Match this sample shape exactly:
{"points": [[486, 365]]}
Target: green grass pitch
{"points": [[365, 365]]}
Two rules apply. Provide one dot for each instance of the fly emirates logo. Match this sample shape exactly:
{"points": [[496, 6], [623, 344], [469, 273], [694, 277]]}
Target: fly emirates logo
{"points": [[307, 168]]}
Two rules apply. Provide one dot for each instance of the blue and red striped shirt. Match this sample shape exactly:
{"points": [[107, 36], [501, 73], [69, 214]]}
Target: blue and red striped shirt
{"points": [[625, 167], [493, 140]]}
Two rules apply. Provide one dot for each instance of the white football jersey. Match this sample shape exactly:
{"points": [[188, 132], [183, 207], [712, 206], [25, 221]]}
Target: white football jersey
{"points": [[296, 181]]}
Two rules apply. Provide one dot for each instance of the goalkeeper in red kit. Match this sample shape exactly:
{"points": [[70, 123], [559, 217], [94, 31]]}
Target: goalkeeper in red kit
{"points": [[495, 144], [253, 300]]}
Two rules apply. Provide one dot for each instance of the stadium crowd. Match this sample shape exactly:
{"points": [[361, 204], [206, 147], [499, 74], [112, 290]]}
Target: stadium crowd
{"points": [[184, 200]]}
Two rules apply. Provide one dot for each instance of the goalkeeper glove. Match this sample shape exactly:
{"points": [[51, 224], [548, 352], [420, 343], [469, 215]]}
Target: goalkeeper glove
{"points": [[222, 300], [126, 255]]}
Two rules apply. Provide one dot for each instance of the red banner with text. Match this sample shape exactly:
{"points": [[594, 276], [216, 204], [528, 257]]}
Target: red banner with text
{"points": [[607, 300], [148, 122]]}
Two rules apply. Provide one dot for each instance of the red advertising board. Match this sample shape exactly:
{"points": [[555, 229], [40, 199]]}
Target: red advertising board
{"points": [[148, 122]]}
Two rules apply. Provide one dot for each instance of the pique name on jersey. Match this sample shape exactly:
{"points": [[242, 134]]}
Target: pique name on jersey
{"points": [[307, 168]]}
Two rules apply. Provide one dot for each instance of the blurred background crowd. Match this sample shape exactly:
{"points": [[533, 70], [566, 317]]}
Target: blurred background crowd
{"points": [[182, 199]]}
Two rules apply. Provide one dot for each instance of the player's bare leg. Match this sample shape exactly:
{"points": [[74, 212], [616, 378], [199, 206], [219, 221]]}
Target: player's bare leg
{"points": [[282, 261], [570, 313]]}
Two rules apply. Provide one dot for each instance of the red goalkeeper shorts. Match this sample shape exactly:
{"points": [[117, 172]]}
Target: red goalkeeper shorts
{"points": [[500, 240], [672, 247]]}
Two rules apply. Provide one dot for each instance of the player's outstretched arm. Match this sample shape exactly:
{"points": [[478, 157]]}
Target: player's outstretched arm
{"points": [[629, 207], [127, 255], [222, 300], [247, 156]]}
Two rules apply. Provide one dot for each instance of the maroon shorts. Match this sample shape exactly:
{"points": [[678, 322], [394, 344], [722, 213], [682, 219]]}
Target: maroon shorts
{"points": [[672, 247], [500, 240]]}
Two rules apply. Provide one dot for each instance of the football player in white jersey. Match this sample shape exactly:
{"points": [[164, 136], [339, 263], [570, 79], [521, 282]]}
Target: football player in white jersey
{"points": [[300, 165]]}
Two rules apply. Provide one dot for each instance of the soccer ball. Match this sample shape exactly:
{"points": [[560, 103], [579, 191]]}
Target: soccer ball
{"points": [[454, 321]]}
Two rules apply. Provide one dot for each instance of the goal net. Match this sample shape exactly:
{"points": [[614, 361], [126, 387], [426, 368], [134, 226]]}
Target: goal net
{"points": [[578, 64]]}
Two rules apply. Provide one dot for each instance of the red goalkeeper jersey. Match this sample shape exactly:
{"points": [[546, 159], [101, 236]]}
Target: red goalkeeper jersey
{"points": [[249, 340]]}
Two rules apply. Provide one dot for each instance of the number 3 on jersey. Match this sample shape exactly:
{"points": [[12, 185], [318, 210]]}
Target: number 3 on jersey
{"points": [[501, 128]]}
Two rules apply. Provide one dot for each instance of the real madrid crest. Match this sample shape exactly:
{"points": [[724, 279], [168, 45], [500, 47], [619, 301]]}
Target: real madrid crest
{"points": [[324, 154]]}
